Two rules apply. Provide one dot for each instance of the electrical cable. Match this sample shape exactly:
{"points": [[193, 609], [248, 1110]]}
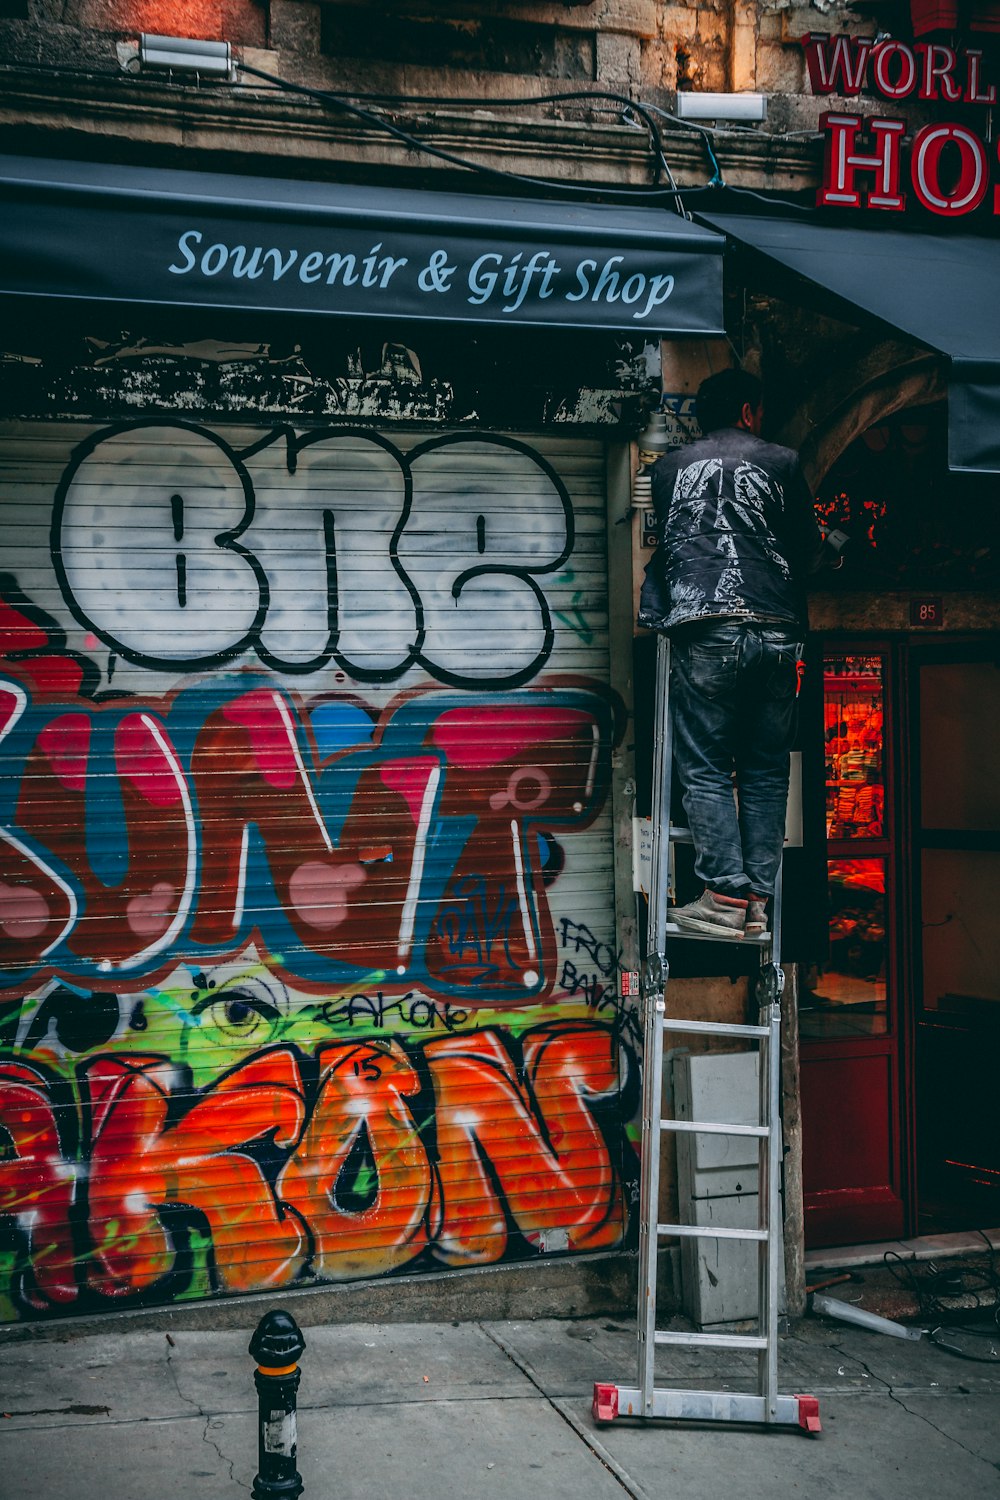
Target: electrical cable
{"points": [[717, 180], [369, 117], [773, 202], [935, 1292]]}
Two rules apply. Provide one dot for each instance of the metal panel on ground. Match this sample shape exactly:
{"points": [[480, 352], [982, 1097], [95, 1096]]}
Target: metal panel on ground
{"points": [[308, 958]]}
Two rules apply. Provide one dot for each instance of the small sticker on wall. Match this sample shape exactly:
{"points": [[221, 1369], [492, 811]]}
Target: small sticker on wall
{"points": [[642, 854], [550, 1241], [630, 984]]}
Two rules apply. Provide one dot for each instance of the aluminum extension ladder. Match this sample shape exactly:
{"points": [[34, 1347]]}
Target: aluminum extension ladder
{"points": [[646, 1400]]}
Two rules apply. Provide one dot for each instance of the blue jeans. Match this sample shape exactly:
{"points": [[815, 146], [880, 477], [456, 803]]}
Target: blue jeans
{"points": [[733, 690]]}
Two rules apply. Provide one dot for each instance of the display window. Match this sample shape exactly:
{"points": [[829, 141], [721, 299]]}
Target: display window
{"points": [[847, 995], [854, 718]]}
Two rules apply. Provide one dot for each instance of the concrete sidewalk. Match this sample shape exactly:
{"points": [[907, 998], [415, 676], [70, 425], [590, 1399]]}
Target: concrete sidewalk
{"points": [[498, 1410]]}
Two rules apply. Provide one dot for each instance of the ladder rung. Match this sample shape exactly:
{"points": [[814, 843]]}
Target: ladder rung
{"points": [[702, 1127], [671, 930], [715, 1028], [706, 1232], [680, 835], [711, 1340], [717, 1406]]}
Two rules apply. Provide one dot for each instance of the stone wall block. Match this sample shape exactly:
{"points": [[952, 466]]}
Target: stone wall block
{"points": [[295, 26], [619, 60], [243, 22], [743, 48], [636, 17], [678, 22]]}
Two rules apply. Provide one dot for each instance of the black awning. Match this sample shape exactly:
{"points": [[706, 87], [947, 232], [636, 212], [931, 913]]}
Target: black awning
{"points": [[199, 239], [942, 290]]}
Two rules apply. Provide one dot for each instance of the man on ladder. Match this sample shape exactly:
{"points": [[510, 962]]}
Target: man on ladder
{"points": [[738, 537], [725, 589]]}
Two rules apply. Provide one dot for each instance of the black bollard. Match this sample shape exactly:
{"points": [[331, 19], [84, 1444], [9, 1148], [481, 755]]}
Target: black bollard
{"points": [[276, 1346]]}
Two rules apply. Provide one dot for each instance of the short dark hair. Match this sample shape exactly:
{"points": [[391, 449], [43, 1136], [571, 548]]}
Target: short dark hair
{"points": [[722, 397]]}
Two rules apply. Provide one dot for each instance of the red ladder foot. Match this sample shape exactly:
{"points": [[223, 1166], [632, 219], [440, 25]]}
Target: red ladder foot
{"points": [[808, 1413], [605, 1407]]}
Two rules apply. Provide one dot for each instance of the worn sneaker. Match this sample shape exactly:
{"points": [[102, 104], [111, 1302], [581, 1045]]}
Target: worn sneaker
{"points": [[756, 923], [721, 916]]}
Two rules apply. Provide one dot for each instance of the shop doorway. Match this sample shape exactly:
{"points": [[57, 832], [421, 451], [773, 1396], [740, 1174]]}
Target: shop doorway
{"points": [[956, 974], [900, 1017], [900, 1024]]}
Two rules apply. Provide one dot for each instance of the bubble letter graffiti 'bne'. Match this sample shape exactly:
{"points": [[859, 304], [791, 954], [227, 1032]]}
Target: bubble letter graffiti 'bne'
{"points": [[163, 580]]}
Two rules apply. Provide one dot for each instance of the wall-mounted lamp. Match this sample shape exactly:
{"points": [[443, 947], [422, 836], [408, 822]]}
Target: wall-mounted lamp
{"points": [[182, 54], [748, 108], [655, 440]]}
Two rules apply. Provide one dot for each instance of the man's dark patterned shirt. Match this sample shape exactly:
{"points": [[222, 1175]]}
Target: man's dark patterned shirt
{"points": [[738, 534]]}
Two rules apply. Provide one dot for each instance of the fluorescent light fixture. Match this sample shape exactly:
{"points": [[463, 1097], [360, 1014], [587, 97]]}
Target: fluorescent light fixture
{"points": [[182, 54], [746, 107]]}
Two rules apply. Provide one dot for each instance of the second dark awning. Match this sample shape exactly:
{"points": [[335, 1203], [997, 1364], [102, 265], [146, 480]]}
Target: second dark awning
{"points": [[198, 239], [942, 290]]}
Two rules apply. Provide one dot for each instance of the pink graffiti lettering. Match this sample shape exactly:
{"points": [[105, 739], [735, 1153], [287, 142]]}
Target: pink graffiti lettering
{"points": [[37, 1186], [215, 818]]}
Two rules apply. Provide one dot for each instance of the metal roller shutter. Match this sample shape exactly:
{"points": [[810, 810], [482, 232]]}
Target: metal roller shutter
{"points": [[306, 912]]}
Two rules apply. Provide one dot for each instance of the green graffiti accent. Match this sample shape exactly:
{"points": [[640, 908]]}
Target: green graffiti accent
{"points": [[574, 621], [9, 1313], [200, 1285]]}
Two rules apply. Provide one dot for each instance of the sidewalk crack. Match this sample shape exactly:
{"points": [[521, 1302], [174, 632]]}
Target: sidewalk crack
{"points": [[229, 1462], [564, 1410], [200, 1411], [894, 1396], [172, 1369]]}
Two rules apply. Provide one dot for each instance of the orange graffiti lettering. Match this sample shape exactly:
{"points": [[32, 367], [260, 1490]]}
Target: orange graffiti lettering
{"points": [[139, 1166], [360, 1176], [531, 1137]]}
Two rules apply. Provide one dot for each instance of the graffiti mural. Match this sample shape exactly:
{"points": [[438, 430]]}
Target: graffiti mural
{"points": [[307, 956]]}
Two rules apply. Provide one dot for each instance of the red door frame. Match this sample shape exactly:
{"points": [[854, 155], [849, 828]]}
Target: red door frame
{"points": [[860, 1087]]}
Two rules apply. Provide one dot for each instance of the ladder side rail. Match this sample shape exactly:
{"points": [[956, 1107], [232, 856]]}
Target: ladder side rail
{"points": [[655, 978], [764, 1154], [649, 1192], [775, 1226], [662, 773], [770, 985]]}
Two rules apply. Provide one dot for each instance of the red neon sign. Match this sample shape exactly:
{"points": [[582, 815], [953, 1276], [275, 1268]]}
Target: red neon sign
{"points": [[866, 160]]}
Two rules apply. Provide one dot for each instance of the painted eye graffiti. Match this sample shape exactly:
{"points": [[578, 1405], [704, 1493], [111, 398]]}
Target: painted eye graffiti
{"points": [[242, 1011], [239, 1016]]}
